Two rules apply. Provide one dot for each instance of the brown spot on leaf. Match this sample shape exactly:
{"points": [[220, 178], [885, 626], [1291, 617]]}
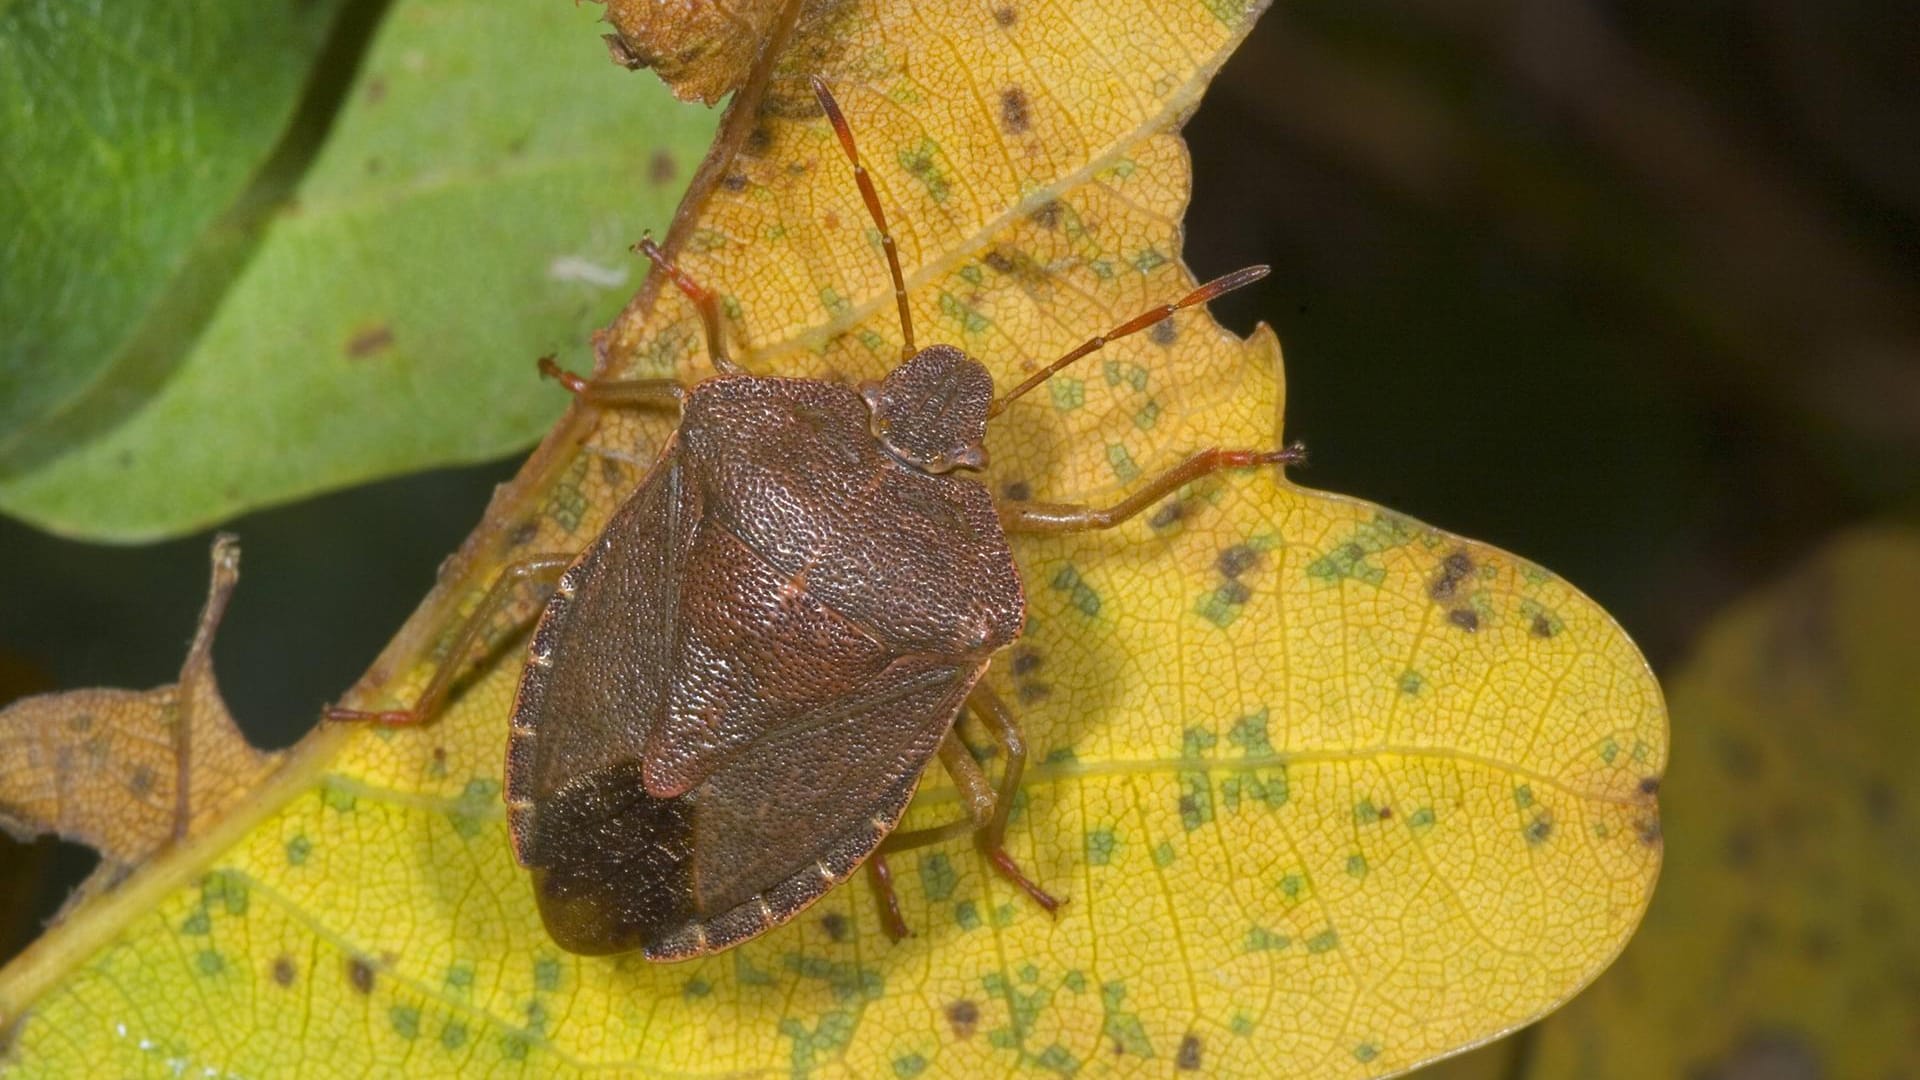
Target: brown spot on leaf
{"points": [[1047, 214], [1235, 592], [759, 141], [613, 472], [1187, 1058], [1005, 17], [735, 182], [1013, 111], [283, 970], [370, 341], [661, 168], [1163, 333], [1026, 661], [1650, 786], [1882, 802], [1170, 511], [1542, 627], [1018, 491], [522, 533], [964, 1016], [1454, 569], [1764, 1055], [1237, 560], [141, 781], [1817, 944], [1739, 758], [1649, 829], [1031, 692], [1465, 618], [1742, 846], [376, 90], [360, 975], [835, 925]]}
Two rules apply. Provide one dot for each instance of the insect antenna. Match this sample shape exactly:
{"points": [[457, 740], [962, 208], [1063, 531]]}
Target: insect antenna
{"points": [[872, 198], [1226, 283]]}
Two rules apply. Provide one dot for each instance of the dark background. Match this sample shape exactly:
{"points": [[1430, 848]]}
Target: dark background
{"points": [[1626, 288]]}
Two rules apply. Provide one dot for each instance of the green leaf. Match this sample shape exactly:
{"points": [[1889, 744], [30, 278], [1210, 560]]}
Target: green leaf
{"points": [[461, 206], [126, 129]]}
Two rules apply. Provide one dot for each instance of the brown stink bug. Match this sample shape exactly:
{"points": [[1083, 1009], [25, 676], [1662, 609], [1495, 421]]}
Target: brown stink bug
{"points": [[731, 694]]}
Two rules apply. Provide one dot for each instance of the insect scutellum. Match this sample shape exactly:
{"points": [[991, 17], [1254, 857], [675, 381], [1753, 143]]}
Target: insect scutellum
{"points": [[931, 411]]}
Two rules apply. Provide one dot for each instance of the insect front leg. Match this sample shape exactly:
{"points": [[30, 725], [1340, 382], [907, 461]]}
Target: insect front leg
{"points": [[1064, 518], [616, 393], [703, 301], [535, 568]]}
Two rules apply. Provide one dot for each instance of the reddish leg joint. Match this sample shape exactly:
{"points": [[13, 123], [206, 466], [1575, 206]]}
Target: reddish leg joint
{"points": [[1294, 453], [891, 920], [575, 384], [1010, 870]]}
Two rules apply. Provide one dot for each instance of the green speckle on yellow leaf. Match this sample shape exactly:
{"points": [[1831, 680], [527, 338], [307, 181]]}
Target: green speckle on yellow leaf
{"points": [[1261, 939], [937, 876], [1100, 847]]}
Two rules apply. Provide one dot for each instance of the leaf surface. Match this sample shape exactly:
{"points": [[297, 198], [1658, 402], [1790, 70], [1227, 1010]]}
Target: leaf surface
{"points": [[126, 129], [1785, 938], [469, 210], [130, 772], [1324, 786], [704, 49]]}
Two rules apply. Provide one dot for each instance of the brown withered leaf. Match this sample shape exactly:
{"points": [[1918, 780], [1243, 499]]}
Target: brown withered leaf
{"points": [[129, 772], [701, 48]]}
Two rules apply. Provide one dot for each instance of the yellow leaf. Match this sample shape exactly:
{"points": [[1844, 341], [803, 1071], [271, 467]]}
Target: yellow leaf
{"points": [[1327, 789], [1785, 939]]}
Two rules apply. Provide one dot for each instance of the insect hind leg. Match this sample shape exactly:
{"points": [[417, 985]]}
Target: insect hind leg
{"points": [[992, 836], [988, 807]]}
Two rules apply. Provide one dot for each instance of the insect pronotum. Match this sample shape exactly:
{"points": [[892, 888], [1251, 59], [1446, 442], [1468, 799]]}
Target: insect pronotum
{"points": [[732, 692]]}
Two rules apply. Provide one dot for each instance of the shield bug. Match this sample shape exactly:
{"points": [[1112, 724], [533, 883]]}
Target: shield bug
{"points": [[731, 694]]}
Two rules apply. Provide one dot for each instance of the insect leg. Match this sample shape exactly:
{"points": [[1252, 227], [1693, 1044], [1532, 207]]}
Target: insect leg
{"points": [[497, 597], [1064, 518], [999, 720], [702, 299], [979, 798], [617, 393]]}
